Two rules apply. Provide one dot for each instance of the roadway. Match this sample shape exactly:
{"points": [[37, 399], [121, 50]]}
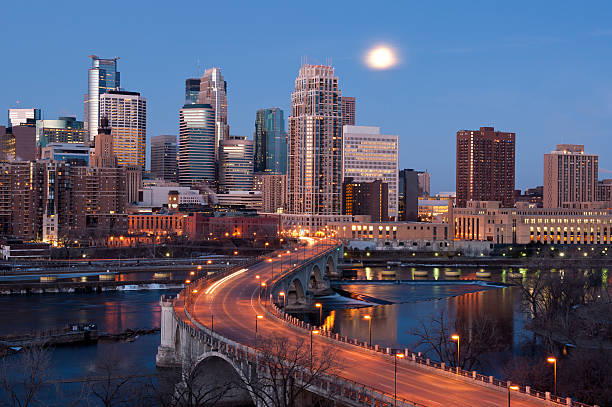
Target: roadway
{"points": [[235, 305]]}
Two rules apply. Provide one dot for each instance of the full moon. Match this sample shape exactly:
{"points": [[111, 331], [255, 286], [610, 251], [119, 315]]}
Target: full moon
{"points": [[381, 57]]}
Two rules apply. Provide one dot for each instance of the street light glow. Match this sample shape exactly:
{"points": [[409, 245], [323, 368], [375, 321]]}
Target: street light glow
{"points": [[367, 317], [318, 305], [259, 316], [455, 337], [551, 359]]}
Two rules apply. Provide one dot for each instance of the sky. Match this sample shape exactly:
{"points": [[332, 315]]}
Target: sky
{"points": [[539, 69]]}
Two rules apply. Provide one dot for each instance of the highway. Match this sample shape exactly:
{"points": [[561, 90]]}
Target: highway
{"points": [[234, 304]]}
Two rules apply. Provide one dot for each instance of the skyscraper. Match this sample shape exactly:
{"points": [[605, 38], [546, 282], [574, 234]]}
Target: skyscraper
{"points": [[102, 77], [348, 111], [408, 195], [314, 173], [368, 155], [17, 117], [196, 156], [192, 91], [164, 157], [213, 91], [270, 141], [236, 164], [485, 166], [127, 117], [424, 184], [570, 176], [104, 154], [366, 198]]}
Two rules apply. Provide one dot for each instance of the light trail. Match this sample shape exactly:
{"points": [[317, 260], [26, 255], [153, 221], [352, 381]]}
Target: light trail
{"points": [[213, 287]]}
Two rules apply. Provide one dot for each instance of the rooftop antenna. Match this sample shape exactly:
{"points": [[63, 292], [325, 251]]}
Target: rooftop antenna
{"points": [[199, 69]]}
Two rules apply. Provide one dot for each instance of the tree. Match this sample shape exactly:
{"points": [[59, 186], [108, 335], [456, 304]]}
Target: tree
{"points": [[22, 377], [286, 372], [477, 336], [112, 385]]}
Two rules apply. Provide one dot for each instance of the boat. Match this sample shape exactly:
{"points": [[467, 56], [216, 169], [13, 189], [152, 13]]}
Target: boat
{"points": [[420, 273], [483, 274], [452, 273]]}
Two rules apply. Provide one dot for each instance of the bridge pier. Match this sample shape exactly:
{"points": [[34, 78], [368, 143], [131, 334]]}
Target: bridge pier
{"points": [[166, 351]]}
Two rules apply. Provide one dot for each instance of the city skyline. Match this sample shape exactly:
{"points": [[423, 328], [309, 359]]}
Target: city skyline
{"points": [[526, 87]]}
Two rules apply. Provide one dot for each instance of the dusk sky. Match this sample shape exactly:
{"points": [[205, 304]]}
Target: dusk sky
{"points": [[540, 69]]}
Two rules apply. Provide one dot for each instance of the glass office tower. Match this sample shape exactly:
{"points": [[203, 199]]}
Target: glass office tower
{"points": [[103, 76], [236, 164], [270, 141], [192, 90], [197, 144]]}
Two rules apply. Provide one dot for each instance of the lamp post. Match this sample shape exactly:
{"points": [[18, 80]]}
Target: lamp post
{"points": [[212, 322], [313, 332], [262, 286], [455, 337], [397, 356], [369, 319], [511, 387], [553, 360], [282, 294], [320, 307], [256, 318]]}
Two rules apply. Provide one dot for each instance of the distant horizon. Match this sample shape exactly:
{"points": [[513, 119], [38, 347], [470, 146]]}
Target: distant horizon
{"points": [[527, 73]]}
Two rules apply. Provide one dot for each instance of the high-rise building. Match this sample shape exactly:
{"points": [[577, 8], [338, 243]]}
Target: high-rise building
{"points": [[424, 183], [18, 117], [102, 77], [213, 91], [348, 111], [104, 152], [570, 176], [192, 91], [70, 153], [18, 143], [408, 195], [270, 141], [368, 155], [196, 156], [314, 173], [273, 192], [127, 117], [604, 192], [485, 166], [164, 162], [369, 198], [62, 130], [236, 164]]}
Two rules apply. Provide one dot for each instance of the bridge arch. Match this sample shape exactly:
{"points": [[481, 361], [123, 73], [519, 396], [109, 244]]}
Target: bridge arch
{"points": [[215, 372], [330, 266], [296, 292], [315, 280]]}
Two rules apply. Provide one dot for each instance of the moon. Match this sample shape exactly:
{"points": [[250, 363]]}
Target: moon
{"points": [[381, 57]]}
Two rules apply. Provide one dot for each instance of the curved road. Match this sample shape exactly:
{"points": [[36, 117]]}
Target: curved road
{"points": [[234, 305]]}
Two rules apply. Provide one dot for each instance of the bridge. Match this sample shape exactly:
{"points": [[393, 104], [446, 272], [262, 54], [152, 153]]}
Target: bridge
{"points": [[214, 327]]}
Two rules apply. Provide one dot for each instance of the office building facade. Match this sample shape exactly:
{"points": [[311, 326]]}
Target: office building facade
{"points": [[270, 141], [370, 198], [314, 173], [236, 164], [62, 130], [127, 117], [164, 164], [408, 195], [368, 155], [18, 117], [570, 176], [192, 91], [213, 91], [348, 111], [102, 77], [485, 166], [196, 155], [69, 153], [273, 192], [424, 184]]}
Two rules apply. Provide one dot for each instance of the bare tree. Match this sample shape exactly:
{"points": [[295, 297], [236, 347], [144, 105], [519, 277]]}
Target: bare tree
{"points": [[112, 385], [22, 377], [477, 335], [287, 371]]}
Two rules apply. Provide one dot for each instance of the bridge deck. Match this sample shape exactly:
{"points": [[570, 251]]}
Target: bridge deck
{"points": [[235, 305]]}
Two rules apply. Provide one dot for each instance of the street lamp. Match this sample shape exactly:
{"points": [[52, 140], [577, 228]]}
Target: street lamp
{"points": [[369, 318], [397, 356], [553, 360], [320, 307], [282, 294], [313, 332], [455, 337], [261, 287], [511, 387], [256, 318]]}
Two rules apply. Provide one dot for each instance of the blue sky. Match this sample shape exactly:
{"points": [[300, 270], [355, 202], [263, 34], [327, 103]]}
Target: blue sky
{"points": [[540, 69]]}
